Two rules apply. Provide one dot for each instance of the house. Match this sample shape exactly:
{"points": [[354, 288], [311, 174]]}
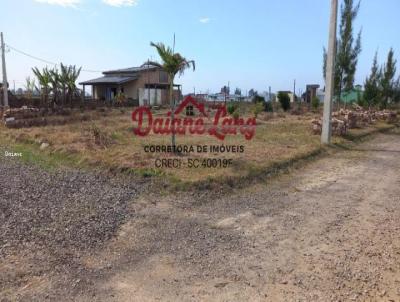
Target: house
{"points": [[348, 97], [311, 92], [144, 85], [268, 96], [352, 96]]}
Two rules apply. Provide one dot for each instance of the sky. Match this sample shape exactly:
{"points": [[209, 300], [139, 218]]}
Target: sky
{"points": [[248, 44]]}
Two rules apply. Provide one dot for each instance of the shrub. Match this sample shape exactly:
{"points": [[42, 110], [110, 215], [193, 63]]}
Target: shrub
{"points": [[268, 107], [236, 115], [258, 108], [315, 103], [284, 99], [258, 99], [231, 108], [100, 137], [120, 99]]}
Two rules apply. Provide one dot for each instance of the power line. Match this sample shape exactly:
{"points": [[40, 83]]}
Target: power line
{"points": [[31, 56], [43, 60]]}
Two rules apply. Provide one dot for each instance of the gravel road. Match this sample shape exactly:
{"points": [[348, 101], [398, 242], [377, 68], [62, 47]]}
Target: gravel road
{"points": [[327, 232]]}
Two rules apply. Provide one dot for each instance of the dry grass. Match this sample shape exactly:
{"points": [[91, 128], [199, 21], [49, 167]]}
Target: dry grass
{"points": [[108, 141]]}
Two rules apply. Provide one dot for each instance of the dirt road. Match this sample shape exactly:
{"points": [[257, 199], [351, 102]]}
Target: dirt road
{"points": [[327, 232]]}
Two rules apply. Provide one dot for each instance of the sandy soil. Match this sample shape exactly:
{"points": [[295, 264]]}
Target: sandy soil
{"points": [[328, 232]]}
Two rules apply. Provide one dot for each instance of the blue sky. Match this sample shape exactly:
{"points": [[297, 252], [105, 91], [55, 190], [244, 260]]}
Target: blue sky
{"points": [[251, 44]]}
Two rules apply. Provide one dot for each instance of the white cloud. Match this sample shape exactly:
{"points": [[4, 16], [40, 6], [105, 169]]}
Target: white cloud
{"points": [[205, 20], [119, 3], [65, 3]]}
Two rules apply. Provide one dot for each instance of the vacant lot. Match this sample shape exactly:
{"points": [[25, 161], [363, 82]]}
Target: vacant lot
{"points": [[107, 140], [326, 233]]}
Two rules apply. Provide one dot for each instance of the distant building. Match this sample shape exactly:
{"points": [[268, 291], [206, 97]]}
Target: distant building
{"points": [[222, 97], [269, 97], [311, 92], [352, 96], [347, 97]]}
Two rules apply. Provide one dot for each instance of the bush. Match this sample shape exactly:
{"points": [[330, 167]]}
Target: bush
{"points": [[315, 103], [268, 107], [258, 99], [100, 137], [120, 99], [284, 99], [258, 108], [231, 108], [236, 115]]}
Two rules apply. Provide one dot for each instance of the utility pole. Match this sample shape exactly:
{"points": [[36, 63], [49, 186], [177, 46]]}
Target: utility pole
{"points": [[227, 91], [330, 72], [294, 90], [5, 84], [269, 93]]}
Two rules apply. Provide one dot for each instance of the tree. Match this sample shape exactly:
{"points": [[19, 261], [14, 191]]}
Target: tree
{"points": [[258, 108], [371, 84], [258, 99], [315, 103], [284, 99], [63, 80], [396, 97], [73, 74], [44, 78], [173, 64], [387, 80], [347, 51], [238, 91], [55, 84], [225, 90], [252, 93]]}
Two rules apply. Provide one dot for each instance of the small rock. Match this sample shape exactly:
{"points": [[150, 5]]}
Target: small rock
{"points": [[44, 146]]}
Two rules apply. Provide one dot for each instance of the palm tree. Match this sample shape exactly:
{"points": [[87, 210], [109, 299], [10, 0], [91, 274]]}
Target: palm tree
{"points": [[173, 64], [73, 75], [44, 79], [63, 80], [55, 84]]}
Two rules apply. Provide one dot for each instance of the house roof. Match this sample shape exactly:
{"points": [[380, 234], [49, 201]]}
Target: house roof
{"points": [[131, 69], [120, 76], [110, 80]]}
